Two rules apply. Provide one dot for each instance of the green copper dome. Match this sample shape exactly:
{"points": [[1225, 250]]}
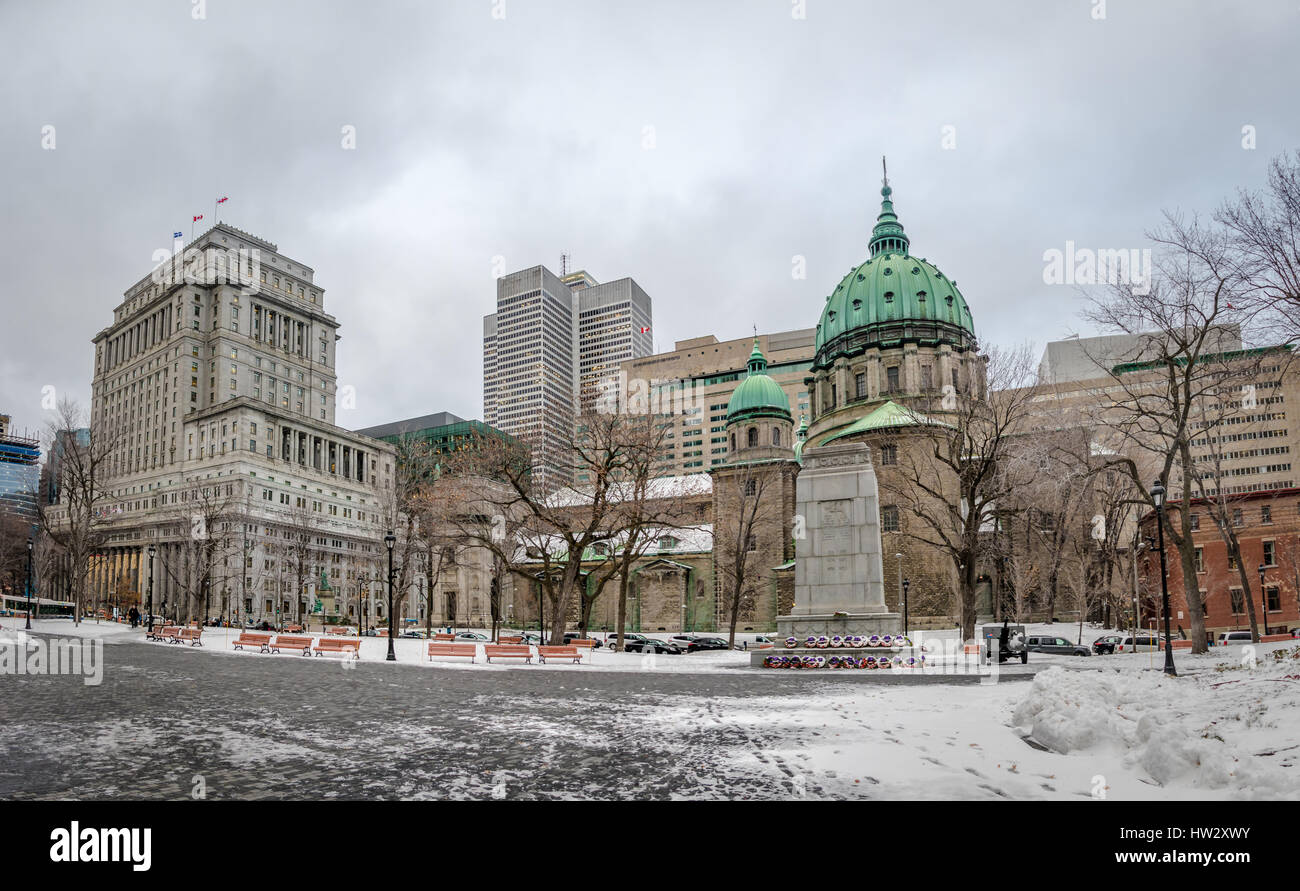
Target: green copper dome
{"points": [[758, 396], [891, 298]]}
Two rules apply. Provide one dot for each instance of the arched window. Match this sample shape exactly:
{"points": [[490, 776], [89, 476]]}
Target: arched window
{"points": [[753, 437], [776, 436], [733, 441]]}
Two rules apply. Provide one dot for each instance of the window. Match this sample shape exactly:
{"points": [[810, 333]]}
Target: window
{"points": [[776, 436], [751, 487], [1237, 519], [1270, 555], [1200, 560], [1266, 514], [927, 378], [860, 385], [1274, 597], [1196, 522], [889, 454], [1232, 561], [752, 437], [889, 518], [891, 378], [1238, 603]]}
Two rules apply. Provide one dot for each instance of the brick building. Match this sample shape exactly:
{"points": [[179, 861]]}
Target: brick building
{"points": [[1268, 528]]}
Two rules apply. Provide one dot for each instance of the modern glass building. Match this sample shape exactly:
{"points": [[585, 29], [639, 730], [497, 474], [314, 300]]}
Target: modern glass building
{"points": [[20, 472]]}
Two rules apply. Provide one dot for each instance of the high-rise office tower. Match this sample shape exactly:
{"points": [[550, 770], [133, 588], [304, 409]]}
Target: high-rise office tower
{"points": [[214, 386], [549, 350]]}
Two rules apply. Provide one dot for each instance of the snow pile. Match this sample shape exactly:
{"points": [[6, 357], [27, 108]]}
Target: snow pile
{"points": [[1177, 731]]}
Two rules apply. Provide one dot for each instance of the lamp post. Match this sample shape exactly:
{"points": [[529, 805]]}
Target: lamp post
{"points": [[907, 583], [29, 584], [239, 611], [1264, 602], [899, 557], [149, 623], [1158, 496], [389, 541]]}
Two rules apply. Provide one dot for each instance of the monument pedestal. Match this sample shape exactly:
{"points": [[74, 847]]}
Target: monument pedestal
{"points": [[843, 624], [839, 585]]}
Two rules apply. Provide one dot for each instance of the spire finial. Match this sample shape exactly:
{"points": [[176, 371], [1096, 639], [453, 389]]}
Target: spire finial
{"points": [[884, 170]]}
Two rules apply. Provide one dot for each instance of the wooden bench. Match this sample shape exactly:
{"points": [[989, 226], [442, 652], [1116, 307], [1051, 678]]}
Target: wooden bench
{"points": [[508, 651], [509, 639], [337, 645], [442, 649], [188, 635], [443, 636], [569, 652], [292, 642], [338, 630], [251, 639], [162, 632], [585, 643]]}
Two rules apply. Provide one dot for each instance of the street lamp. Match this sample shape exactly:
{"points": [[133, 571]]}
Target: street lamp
{"points": [[29, 584], [248, 547], [907, 583], [1264, 602], [900, 584], [149, 623], [389, 541], [1158, 496]]}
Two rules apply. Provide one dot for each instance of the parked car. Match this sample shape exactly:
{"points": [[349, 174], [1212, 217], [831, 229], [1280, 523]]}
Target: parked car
{"points": [[472, 635], [1227, 638], [412, 632], [574, 635], [652, 645], [629, 638], [709, 642], [1146, 643], [1055, 645], [1107, 644]]}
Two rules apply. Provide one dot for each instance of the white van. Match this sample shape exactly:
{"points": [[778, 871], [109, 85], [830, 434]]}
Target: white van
{"points": [[1146, 643], [1227, 638]]}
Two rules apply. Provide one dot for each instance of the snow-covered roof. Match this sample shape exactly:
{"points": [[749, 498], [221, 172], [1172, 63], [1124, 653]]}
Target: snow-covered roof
{"points": [[662, 487]]}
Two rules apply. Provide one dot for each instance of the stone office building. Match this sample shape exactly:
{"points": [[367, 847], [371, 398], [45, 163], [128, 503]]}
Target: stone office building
{"points": [[215, 386]]}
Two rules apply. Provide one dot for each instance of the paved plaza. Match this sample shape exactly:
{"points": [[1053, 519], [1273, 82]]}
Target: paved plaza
{"points": [[167, 721]]}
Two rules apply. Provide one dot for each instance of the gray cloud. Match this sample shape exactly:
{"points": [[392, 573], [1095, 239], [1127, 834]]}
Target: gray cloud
{"points": [[523, 137]]}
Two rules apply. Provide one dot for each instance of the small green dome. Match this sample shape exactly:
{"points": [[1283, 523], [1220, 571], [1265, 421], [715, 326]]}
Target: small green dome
{"points": [[758, 396], [892, 297]]}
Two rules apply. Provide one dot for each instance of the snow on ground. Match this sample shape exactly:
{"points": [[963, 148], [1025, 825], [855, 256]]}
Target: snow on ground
{"points": [[1228, 727]]}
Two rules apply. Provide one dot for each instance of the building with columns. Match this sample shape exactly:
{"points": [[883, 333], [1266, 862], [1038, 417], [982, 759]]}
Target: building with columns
{"points": [[215, 385]]}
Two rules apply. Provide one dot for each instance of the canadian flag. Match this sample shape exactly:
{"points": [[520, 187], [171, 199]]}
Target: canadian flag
{"points": [[196, 219], [645, 329], [222, 200]]}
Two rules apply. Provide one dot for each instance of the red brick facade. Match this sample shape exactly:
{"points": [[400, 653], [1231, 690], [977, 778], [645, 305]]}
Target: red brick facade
{"points": [[1268, 528]]}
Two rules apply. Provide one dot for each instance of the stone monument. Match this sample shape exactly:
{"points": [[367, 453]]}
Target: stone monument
{"points": [[839, 584]]}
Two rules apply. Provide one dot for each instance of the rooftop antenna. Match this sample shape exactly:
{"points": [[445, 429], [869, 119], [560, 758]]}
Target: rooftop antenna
{"points": [[884, 168], [564, 264]]}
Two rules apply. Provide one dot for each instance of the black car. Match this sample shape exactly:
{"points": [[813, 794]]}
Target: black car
{"points": [[694, 643], [652, 645], [1105, 645]]}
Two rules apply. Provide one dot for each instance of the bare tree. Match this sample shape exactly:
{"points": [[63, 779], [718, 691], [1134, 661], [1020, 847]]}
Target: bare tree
{"points": [[748, 503], [961, 469], [1263, 234], [199, 518], [1181, 388], [81, 451]]}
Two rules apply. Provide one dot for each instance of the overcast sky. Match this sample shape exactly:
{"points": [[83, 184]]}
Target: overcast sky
{"points": [[695, 146]]}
